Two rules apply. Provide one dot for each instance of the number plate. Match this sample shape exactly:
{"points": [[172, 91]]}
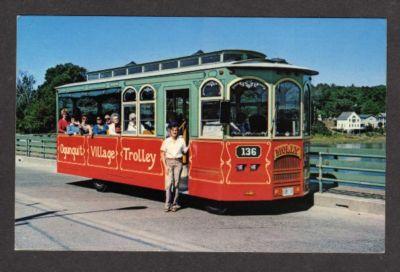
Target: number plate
{"points": [[287, 191], [248, 151]]}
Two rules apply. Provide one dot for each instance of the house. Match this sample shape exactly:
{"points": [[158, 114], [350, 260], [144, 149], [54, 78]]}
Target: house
{"points": [[381, 120], [348, 121], [368, 120]]}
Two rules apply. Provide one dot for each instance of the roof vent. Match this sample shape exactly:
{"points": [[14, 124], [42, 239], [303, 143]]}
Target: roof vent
{"points": [[199, 52], [279, 60], [131, 63]]}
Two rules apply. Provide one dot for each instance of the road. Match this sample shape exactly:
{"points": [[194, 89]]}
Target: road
{"points": [[62, 212]]}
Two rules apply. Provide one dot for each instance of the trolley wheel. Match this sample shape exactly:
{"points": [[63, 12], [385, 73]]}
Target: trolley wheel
{"points": [[99, 185], [216, 208]]}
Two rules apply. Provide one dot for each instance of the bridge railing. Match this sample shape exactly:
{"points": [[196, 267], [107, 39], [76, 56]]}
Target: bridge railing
{"points": [[365, 170], [42, 146], [327, 166]]}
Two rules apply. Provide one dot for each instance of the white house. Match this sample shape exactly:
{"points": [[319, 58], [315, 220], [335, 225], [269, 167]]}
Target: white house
{"points": [[348, 121], [368, 120], [381, 119]]}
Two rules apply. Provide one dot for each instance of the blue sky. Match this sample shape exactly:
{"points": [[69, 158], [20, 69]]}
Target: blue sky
{"points": [[344, 51]]}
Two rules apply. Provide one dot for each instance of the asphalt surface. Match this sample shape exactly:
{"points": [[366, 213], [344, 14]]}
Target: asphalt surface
{"points": [[62, 212]]}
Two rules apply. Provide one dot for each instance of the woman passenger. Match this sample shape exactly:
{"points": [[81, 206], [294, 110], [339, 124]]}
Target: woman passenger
{"points": [[63, 122], [86, 129], [99, 128], [115, 127]]}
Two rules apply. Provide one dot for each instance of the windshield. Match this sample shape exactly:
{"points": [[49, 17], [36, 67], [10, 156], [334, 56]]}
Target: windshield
{"points": [[287, 99], [249, 107]]}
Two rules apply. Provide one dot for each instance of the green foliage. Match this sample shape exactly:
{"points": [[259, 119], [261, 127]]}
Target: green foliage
{"points": [[331, 100], [319, 128], [25, 94], [40, 114]]}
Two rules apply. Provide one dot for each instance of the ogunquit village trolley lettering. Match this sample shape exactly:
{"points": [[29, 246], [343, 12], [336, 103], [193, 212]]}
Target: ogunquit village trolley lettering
{"points": [[247, 119]]}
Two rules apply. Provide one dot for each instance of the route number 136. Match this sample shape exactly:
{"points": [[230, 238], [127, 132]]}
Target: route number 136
{"points": [[248, 151]]}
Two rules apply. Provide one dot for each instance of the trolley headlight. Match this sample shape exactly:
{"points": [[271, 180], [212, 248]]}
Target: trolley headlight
{"points": [[240, 167], [254, 167]]}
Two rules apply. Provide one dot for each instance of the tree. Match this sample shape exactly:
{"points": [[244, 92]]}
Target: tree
{"points": [[25, 95], [40, 116]]}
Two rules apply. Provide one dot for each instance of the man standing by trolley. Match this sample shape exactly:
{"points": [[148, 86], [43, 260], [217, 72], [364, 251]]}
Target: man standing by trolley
{"points": [[172, 150]]}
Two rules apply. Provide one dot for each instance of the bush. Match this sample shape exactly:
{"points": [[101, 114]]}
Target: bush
{"points": [[319, 128]]}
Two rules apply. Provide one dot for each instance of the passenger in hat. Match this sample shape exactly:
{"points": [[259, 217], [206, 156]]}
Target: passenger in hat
{"points": [[132, 123]]}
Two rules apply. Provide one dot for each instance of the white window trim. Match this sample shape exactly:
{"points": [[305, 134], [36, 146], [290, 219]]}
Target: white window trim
{"points": [[123, 104], [213, 98], [269, 90], [301, 109], [140, 102]]}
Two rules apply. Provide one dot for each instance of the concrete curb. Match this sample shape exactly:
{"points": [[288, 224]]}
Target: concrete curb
{"points": [[353, 203]]}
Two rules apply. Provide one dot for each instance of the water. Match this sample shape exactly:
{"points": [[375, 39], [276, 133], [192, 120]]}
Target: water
{"points": [[378, 148]]}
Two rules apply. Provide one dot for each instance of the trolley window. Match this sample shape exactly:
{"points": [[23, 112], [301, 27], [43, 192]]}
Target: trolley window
{"points": [[135, 70], [210, 100], [147, 111], [307, 110], [92, 103], [287, 106], [129, 114], [249, 107]]}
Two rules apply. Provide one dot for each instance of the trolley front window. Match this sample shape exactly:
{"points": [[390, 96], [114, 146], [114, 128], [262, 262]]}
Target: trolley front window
{"points": [[287, 107], [249, 108]]}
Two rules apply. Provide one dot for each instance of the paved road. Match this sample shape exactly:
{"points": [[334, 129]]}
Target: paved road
{"points": [[61, 212]]}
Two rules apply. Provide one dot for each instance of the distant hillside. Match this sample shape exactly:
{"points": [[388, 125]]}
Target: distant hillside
{"points": [[331, 100]]}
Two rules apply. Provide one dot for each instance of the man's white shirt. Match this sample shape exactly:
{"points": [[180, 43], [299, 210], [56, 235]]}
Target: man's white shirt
{"points": [[174, 149]]}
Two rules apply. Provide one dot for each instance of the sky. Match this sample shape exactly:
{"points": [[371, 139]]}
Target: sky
{"points": [[344, 51]]}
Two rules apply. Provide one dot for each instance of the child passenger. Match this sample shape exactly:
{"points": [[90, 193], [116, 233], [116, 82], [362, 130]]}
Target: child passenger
{"points": [[74, 128]]}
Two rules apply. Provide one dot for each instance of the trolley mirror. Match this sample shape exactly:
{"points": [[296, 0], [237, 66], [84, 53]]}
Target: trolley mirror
{"points": [[225, 115]]}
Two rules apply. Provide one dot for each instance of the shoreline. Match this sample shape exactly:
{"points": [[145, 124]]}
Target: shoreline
{"points": [[344, 139]]}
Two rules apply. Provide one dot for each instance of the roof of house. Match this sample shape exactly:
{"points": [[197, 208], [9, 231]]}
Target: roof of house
{"points": [[365, 116], [383, 114], [345, 115]]}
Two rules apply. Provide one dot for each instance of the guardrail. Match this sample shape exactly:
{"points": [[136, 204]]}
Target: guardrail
{"points": [[327, 165], [36, 146], [351, 172]]}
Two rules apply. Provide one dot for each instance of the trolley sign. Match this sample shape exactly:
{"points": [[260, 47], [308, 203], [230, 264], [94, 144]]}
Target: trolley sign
{"points": [[248, 151]]}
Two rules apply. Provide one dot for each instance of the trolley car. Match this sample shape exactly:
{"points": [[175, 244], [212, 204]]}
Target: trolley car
{"points": [[248, 123]]}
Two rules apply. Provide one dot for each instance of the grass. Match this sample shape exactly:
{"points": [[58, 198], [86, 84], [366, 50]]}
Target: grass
{"points": [[347, 138]]}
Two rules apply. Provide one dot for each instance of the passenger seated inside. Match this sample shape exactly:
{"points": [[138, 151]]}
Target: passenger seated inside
{"points": [[147, 128], [258, 123], [86, 129], [107, 119], [63, 122], [240, 126], [132, 123], [99, 128], [74, 128], [115, 127]]}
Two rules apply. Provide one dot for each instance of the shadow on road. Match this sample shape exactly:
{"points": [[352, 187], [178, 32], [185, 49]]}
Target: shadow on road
{"points": [[231, 208]]}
